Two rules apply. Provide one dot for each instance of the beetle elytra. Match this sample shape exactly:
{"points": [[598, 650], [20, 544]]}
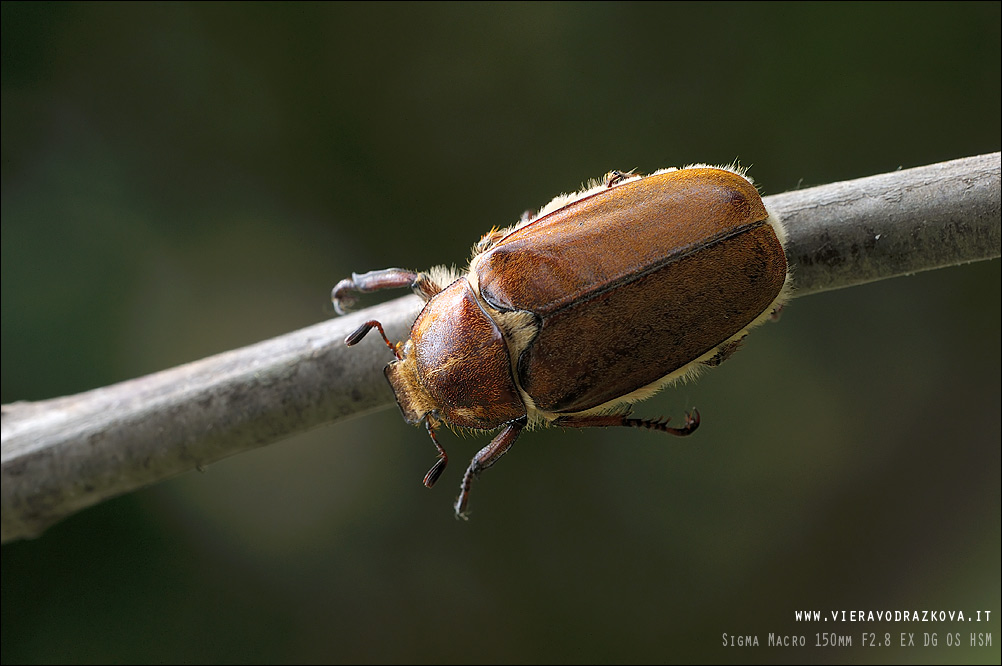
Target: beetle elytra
{"points": [[598, 301]]}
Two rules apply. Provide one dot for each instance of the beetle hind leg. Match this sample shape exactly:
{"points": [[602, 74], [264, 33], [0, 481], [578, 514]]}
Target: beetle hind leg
{"points": [[691, 423], [607, 420], [486, 457]]}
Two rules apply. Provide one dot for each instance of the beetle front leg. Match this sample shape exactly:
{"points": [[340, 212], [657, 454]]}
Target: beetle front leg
{"points": [[486, 457], [607, 420], [344, 296]]}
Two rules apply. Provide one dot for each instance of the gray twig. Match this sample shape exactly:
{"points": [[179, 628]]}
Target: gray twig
{"points": [[64, 454]]}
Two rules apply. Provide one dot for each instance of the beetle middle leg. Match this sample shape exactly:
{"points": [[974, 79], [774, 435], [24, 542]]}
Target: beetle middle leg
{"points": [[607, 420], [486, 457]]}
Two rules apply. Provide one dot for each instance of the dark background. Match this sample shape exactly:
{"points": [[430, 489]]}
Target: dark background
{"points": [[179, 180]]}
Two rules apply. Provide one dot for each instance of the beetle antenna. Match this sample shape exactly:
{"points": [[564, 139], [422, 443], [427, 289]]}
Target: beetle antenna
{"points": [[443, 458], [363, 330]]}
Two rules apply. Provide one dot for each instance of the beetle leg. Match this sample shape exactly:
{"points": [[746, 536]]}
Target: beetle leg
{"points": [[724, 352], [691, 423], [607, 420], [443, 458], [344, 296], [615, 177], [486, 457]]}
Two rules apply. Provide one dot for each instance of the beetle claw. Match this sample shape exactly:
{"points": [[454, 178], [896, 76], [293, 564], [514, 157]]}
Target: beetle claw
{"points": [[345, 294], [342, 296], [691, 421], [461, 502]]}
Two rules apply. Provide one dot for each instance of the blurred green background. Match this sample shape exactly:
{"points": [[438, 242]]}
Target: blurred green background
{"points": [[183, 179]]}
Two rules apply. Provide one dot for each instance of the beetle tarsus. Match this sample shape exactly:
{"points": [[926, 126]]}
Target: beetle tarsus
{"points": [[661, 425], [609, 420], [344, 296], [486, 457]]}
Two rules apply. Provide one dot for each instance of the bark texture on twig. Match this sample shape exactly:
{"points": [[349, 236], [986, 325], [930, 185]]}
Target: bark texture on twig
{"points": [[64, 454], [858, 231]]}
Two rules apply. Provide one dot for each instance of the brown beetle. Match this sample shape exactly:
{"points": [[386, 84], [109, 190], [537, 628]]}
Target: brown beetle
{"points": [[598, 301]]}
